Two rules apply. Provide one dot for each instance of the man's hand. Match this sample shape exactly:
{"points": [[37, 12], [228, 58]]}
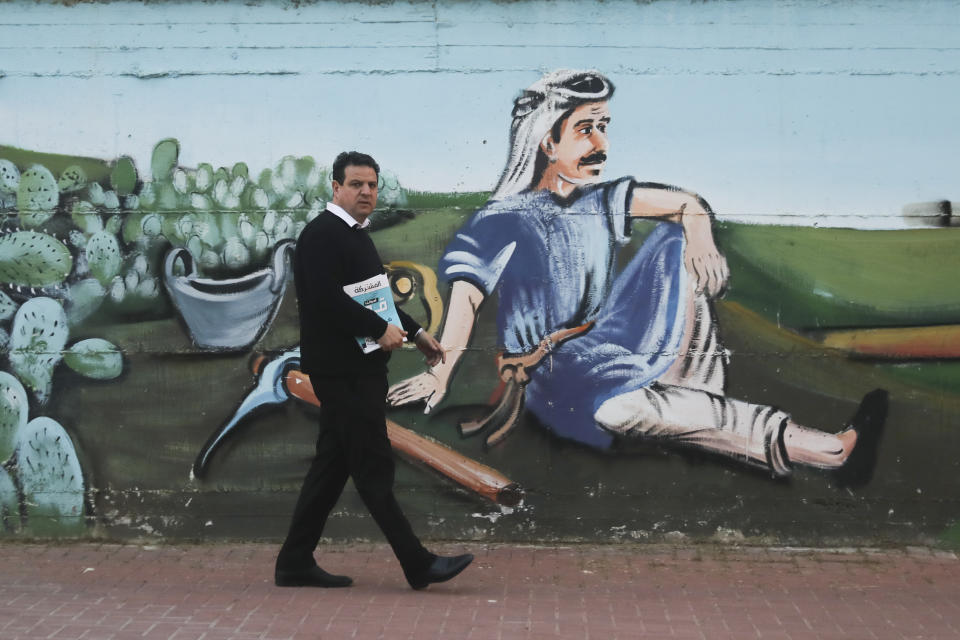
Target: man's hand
{"points": [[430, 348], [392, 338], [427, 387], [703, 261], [708, 268]]}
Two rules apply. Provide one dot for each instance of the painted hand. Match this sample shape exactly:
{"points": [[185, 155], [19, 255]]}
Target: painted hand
{"points": [[708, 268], [426, 386]]}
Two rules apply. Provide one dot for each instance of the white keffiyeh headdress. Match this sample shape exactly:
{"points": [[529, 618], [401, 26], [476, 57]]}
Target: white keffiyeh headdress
{"points": [[535, 112]]}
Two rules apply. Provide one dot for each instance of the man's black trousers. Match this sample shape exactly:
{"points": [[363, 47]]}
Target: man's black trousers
{"points": [[352, 443]]}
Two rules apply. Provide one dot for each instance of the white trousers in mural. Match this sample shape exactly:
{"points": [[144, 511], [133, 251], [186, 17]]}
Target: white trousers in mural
{"points": [[686, 406]]}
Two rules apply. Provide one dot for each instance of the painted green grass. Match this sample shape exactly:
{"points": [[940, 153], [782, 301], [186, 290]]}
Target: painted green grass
{"points": [[813, 278], [943, 376], [427, 200], [97, 170]]}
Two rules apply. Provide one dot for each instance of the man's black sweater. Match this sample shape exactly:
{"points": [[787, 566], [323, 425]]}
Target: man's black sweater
{"points": [[330, 255]]}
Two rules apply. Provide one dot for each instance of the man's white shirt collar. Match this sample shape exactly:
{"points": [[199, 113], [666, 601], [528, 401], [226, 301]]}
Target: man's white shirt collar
{"points": [[341, 213]]}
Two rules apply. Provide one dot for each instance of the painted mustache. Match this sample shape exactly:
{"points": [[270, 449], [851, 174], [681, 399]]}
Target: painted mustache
{"points": [[594, 158]]}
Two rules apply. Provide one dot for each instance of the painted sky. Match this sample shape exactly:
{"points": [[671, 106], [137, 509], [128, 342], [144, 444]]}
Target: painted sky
{"points": [[787, 109]]}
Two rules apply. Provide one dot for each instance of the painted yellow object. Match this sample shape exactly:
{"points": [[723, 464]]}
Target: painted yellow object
{"points": [[429, 293], [910, 343]]}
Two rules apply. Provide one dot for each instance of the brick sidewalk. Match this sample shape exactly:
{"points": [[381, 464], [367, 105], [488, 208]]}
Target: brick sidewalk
{"points": [[221, 592]]}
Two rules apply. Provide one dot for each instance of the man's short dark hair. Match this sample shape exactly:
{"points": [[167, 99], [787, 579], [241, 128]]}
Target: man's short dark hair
{"points": [[352, 159]]}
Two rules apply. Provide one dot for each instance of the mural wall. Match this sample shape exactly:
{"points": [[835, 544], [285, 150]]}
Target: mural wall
{"points": [[694, 265]]}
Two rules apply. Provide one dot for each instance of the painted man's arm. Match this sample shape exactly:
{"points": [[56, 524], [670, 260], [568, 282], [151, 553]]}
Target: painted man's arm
{"points": [[704, 262], [431, 386]]}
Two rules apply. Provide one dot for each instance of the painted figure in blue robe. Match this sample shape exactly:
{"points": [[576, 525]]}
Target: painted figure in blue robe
{"points": [[652, 364]]}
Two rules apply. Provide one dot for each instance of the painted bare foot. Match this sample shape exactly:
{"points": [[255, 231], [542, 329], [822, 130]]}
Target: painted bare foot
{"points": [[867, 426], [848, 440]]}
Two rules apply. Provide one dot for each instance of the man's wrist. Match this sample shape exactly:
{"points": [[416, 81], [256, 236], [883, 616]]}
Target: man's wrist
{"points": [[417, 334]]}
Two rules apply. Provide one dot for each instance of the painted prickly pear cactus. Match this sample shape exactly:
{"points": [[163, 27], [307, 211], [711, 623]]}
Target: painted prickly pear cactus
{"points": [[7, 306], [9, 177], [72, 179], [86, 217], [164, 159], [50, 478], [123, 177], [104, 256], [391, 195], [14, 410], [88, 244], [37, 196], [9, 503], [95, 358], [33, 259], [39, 335]]}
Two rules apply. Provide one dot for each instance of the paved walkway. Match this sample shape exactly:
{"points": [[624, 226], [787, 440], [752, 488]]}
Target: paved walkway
{"points": [[221, 592]]}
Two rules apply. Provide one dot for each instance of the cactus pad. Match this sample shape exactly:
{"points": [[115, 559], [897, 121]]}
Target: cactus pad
{"points": [[14, 408], [9, 503], [164, 159], [123, 177], [181, 181], [148, 196], [95, 194], [37, 340], [7, 306], [72, 179], [200, 202], [103, 256], [114, 224], [51, 478], [110, 200], [37, 196], [9, 177], [95, 358], [32, 259], [236, 256], [204, 178], [85, 216]]}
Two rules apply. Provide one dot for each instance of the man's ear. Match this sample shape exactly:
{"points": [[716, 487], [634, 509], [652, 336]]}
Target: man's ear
{"points": [[546, 145]]}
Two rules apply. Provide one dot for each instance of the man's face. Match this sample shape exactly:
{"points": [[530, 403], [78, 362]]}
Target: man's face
{"points": [[358, 193], [581, 151]]}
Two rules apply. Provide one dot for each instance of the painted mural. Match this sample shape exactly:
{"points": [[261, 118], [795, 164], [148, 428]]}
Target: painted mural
{"points": [[600, 353], [73, 249], [666, 317]]}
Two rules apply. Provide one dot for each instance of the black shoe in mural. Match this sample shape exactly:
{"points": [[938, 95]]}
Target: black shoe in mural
{"points": [[868, 422]]}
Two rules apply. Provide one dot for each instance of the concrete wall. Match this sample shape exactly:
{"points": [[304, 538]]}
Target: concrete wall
{"points": [[146, 147]]}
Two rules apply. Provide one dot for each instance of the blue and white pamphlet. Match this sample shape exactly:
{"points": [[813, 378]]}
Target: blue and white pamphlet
{"points": [[374, 293]]}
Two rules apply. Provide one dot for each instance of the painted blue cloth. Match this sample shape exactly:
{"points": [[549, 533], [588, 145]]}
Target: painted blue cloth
{"points": [[552, 262]]}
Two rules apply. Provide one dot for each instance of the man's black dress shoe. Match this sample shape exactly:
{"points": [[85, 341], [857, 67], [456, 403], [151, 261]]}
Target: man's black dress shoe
{"points": [[868, 422], [312, 577], [440, 570]]}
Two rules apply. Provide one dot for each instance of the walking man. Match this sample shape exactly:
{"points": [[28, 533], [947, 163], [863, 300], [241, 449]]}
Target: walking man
{"points": [[335, 250]]}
